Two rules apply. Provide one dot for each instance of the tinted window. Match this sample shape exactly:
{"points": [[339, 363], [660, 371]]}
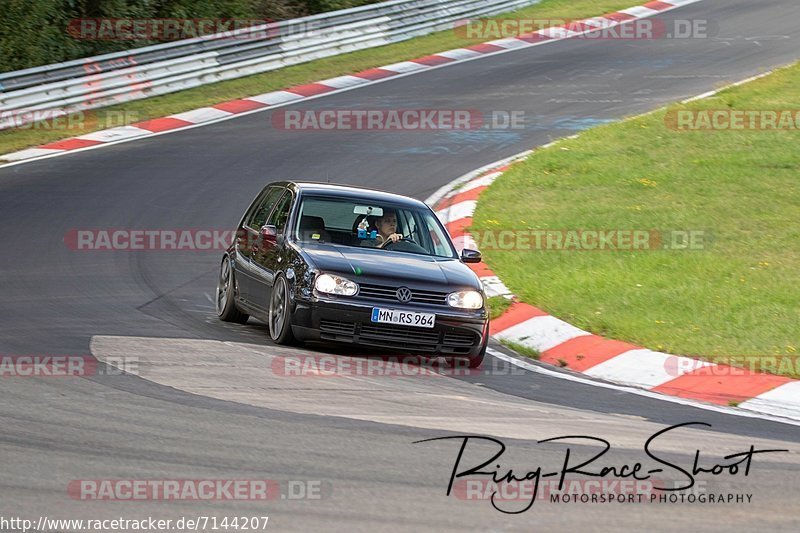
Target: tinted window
{"points": [[280, 215], [258, 217]]}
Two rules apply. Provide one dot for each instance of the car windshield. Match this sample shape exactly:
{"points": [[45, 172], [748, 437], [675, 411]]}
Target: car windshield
{"points": [[368, 224]]}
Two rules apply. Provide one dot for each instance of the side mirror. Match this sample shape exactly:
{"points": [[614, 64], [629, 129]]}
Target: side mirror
{"points": [[470, 256], [269, 234]]}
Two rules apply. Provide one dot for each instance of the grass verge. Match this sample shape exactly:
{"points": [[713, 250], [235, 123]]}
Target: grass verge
{"points": [[521, 349], [736, 294], [497, 306], [42, 133]]}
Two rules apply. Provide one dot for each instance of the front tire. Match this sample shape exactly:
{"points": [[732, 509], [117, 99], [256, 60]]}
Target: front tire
{"points": [[476, 361], [226, 292], [280, 313]]}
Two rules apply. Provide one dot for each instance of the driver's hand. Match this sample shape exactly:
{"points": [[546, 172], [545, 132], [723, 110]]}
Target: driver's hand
{"points": [[394, 237]]}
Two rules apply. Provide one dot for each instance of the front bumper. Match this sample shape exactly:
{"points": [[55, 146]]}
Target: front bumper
{"points": [[455, 333]]}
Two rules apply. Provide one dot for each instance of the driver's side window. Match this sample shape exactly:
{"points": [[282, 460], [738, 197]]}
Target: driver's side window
{"points": [[280, 214], [258, 218], [408, 224]]}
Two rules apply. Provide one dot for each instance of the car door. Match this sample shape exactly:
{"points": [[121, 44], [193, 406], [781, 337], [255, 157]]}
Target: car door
{"points": [[247, 237], [266, 252]]}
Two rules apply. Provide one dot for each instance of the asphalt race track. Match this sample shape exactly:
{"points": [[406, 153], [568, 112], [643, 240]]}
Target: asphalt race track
{"points": [[205, 404]]}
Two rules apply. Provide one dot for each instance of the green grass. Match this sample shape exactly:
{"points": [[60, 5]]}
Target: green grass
{"points": [[497, 306], [521, 349], [738, 296], [18, 139]]}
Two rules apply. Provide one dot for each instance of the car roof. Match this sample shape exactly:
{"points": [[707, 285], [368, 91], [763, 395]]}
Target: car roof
{"points": [[349, 191]]}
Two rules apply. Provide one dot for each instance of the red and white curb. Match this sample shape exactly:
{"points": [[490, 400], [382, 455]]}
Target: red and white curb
{"points": [[565, 345], [292, 95]]}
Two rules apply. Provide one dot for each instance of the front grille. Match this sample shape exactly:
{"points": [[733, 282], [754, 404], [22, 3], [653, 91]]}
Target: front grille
{"points": [[336, 327], [385, 292], [452, 341], [400, 334], [460, 339]]}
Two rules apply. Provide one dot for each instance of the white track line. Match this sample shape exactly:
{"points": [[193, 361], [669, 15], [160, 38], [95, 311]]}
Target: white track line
{"points": [[640, 392]]}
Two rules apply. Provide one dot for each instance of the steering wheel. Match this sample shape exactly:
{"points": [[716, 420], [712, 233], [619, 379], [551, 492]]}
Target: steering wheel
{"points": [[387, 242]]}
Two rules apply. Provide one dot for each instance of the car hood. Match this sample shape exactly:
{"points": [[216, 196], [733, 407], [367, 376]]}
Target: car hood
{"points": [[371, 265]]}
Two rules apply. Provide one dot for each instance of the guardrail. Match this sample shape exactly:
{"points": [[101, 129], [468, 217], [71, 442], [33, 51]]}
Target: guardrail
{"points": [[93, 82]]}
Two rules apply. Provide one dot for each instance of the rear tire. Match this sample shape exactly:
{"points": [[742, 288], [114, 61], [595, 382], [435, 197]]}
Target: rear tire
{"points": [[280, 313], [226, 294]]}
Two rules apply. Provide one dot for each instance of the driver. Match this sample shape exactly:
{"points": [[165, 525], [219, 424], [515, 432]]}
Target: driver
{"points": [[387, 227]]}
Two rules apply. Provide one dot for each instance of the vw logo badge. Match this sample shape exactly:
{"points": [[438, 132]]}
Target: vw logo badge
{"points": [[404, 294]]}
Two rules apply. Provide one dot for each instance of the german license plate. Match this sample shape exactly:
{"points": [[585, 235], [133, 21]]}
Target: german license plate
{"points": [[403, 318]]}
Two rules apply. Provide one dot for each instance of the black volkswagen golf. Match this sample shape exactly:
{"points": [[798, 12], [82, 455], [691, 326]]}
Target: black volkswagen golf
{"points": [[342, 264]]}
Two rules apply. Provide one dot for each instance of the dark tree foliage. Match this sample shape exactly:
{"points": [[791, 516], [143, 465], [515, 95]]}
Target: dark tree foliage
{"points": [[35, 32]]}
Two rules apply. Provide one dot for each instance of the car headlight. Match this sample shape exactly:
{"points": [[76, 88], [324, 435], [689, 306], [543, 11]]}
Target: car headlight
{"points": [[335, 285], [465, 299]]}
